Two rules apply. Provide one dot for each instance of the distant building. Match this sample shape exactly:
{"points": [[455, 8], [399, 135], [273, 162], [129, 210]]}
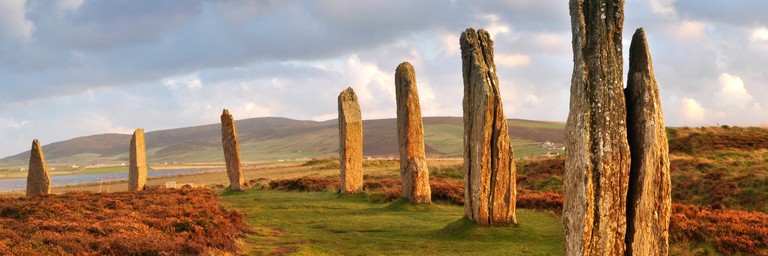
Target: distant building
{"points": [[548, 144]]}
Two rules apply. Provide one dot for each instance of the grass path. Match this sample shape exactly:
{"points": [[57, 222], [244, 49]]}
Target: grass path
{"points": [[325, 223]]}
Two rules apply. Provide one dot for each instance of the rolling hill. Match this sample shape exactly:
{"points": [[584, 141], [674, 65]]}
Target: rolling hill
{"points": [[274, 138]]}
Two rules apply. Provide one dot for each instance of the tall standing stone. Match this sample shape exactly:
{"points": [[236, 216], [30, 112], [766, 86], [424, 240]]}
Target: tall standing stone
{"points": [[410, 136], [649, 199], [489, 168], [231, 151], [137, 169], [350, 143], [597, 153], [38, 181]]}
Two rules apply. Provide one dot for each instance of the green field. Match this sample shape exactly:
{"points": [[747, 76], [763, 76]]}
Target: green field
{"points": [[105, 169], [449, 140], [325, 223], [536, 124], [10, 173]]}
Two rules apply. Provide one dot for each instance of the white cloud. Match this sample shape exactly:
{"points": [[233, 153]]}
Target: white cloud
{"points": [[513, 60], [192, 83], [732, 91], [249, 110], [276, 82], [450, 44], [494, 26], [13, 20], [692, 111], [93, 121], [371, 85], [13, 124], [663, 7], [552, 42], [759, 35], [430, 106], [687, 29], [731, 84], [531, 99]]}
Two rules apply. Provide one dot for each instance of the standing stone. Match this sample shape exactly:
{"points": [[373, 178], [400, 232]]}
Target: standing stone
{"points": [[38, 181], [597, 153], [350, 143], [231, 151], [137, 169], [410, 136], [489, 168], [649, 199]]}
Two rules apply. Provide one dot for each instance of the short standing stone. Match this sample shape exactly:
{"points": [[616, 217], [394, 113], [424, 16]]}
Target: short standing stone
{"points": [[489, 168], [350, 143], [410, 130], [231, 151], [597, 154], [38, 181], [649, 198], [137, 169]]}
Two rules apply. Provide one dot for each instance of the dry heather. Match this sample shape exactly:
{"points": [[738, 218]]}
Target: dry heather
{"points": [[448, 190], [731, 231], [734, 180], [707, 139], [158, 222]]}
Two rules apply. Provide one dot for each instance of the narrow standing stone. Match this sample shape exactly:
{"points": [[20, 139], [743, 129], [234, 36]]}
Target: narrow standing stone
{"points": [[137, 170], [231, 151], [649, 199], [489, 167], [350, 143], [410, 131], [597, 153], [38, 181]]}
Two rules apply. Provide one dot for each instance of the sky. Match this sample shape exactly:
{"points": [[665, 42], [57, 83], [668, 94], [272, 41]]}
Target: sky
{"points": [[72, 68]]}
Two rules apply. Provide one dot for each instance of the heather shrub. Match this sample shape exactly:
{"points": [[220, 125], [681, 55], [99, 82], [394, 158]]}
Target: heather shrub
{"points": [[157, 222]]}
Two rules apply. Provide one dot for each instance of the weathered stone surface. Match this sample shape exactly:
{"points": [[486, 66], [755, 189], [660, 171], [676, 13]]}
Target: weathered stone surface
{"points": [[410, 136], [649, 199], [137, 168], [350, 143], [489, 168], [231, 152], [38, 181], [597, 153]]}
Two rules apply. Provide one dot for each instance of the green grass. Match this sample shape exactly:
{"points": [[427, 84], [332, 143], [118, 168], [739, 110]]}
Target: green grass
{"points": [[449, 139], [13, 173], [106, 169], [325, 223], [16, 173], [528, 148], [536, 124]]}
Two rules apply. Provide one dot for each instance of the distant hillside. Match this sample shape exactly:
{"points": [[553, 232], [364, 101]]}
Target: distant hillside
{"points": [[273, 138]]}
